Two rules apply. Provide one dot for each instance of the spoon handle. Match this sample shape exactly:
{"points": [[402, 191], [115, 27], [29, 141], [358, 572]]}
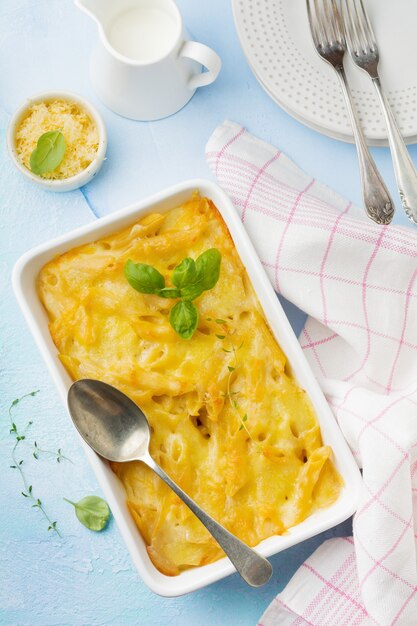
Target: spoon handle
{"points": [[253, 568]]}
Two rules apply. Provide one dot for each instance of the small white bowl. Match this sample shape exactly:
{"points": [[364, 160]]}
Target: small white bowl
{"points": [[64, 184]]}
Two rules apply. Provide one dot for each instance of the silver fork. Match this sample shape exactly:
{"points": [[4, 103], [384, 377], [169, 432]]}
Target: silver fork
{"points": [[329, 41], [364, 52]]}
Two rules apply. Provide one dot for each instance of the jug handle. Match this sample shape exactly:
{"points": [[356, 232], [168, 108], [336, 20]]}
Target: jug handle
{"points": [[205, 56]]}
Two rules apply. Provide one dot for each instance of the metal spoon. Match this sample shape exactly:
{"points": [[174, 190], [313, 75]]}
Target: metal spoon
{"points": [[115, 427]]}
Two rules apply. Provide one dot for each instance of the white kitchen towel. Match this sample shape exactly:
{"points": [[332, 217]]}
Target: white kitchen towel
{"points": [[358, 283]]}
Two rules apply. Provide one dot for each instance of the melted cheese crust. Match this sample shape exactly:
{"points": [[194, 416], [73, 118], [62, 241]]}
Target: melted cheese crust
{"points": [[257, 476]]}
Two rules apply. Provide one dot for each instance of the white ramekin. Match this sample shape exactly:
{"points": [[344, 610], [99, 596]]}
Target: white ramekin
{"points": [[25, 275], [65, 184]]}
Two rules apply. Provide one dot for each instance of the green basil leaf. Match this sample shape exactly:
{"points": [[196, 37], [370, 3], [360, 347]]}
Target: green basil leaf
{"points": [[208, 268], [48, 153], [144, 278], [184, 318], [184, 274], [168, 292], [93, 512], [191, 292]]}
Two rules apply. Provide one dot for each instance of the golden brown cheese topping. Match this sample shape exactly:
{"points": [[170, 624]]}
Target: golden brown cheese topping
{"points": [[229, 423]]}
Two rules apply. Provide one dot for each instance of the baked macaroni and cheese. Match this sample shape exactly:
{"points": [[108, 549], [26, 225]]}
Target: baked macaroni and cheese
{"points": [[229, 423]]}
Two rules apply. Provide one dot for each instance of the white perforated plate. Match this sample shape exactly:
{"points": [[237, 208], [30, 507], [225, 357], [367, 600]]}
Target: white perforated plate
{"points": [[276, 40]]}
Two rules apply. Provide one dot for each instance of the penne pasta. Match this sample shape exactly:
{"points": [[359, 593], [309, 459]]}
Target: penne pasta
{"points": [[229, 423]]}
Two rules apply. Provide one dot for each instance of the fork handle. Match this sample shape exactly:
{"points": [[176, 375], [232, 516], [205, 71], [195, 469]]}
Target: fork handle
{"points": [[377, 201], [405, 172]]}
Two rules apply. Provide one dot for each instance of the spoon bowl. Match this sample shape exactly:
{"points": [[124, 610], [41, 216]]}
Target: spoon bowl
{"points": [[108, 420], [116, 428]]}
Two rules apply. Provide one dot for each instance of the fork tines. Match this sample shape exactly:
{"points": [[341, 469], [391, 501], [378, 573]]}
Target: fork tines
{"points": [[359, 33], [325, 24]]}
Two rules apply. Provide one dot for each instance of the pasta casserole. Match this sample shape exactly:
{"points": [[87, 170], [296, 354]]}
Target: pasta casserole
{"points": [[228, 421]]}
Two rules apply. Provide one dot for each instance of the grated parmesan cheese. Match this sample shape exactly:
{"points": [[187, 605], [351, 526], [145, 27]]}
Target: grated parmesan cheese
{"points": [[79, 130]]}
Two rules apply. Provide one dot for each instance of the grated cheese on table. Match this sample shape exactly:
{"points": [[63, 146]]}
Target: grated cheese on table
{"points": [[79, 130]]}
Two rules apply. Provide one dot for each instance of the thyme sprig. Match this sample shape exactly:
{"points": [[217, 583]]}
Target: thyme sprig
{"points": [[233, 366], [18, 462], [58, 454]]}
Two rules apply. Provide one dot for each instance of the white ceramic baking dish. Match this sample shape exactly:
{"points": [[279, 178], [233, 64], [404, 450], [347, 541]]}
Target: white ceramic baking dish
{"points": [[24, 282]]}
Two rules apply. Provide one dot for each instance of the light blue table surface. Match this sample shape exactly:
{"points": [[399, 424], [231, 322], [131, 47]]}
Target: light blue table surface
{"points": [[87, 578]]}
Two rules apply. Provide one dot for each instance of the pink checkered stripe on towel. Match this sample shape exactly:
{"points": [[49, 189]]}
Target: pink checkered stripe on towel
{"points": [[358, 283]]}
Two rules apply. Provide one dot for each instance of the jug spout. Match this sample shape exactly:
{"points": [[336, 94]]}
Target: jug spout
{"points": [[99, 10]]}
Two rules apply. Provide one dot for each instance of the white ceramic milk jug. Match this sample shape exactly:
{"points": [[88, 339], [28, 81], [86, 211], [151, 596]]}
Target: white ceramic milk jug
{"points": [[143, 66]]}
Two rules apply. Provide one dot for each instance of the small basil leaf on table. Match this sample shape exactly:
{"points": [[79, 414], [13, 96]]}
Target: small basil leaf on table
{"points": [[144, 278], [185, 273], [49, 152], [184, 318], [93, 512]]}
